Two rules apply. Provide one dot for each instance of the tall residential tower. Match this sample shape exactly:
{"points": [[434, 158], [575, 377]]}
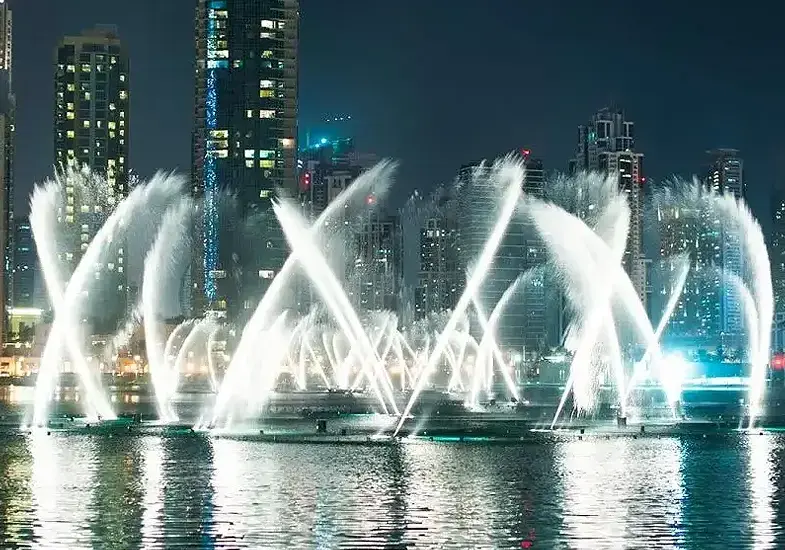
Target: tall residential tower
{"points": [[607, 144], [244, 144], [91, 121]]}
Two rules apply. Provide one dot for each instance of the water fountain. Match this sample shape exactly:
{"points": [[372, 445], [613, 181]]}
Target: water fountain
{"points": [[354, 351]]}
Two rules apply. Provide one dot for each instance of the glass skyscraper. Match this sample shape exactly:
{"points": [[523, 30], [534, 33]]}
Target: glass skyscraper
{"points": [[244, 146]]}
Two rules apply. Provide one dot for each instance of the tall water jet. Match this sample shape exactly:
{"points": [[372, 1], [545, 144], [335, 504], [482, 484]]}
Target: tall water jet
{"points": [[140, 209], [377, 181], [158, 265], [334, 297], [509, 175]]}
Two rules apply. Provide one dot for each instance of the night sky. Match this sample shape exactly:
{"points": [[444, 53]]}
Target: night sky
{"points": [[438, 83]]}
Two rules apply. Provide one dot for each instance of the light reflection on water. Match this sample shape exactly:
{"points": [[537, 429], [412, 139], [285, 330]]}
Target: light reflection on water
{"points": [[159, 491]]}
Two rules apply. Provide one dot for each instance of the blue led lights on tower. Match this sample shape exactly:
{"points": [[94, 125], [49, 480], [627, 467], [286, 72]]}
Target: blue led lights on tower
{"points": [[245, 129]]}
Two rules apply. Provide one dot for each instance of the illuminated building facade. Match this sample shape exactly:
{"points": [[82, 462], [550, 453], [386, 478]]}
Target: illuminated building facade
{"points": [[607, 144], [708, 313], [777, 250], [522, 327], [7, 116], [440, 279], [244, 143], [24, 267], [377, 272], [91, 119]]}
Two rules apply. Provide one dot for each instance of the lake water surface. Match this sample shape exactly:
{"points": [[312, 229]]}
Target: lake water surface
{"points": [[191, 491]]}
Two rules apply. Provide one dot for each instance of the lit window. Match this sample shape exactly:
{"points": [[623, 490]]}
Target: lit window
{"points": [[85, 209], [119, 269], [266, 273], [221, 153], [70, 134], [267, 24], [266, 113], [265, 193], [266, 93], [249, 113], [70, 68], [267, 163], [113, 60], [218, 134], [267, 54], [122, 78], [86, 123], [112, 107], [237, 63], [87, 96], [99, 123], [69, 106], [122, 115], [71, 87], [266, 154], [249, 164], [112, 125], [69, 115], [249, 153], [287, 143], [84, 246], [85, 67], [266, 35], [123, 94], [265, 83]]}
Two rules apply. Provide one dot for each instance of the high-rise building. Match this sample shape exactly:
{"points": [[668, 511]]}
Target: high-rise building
{"points": [[91, 122], [777, 250], [522, 326], [708, 314], [725, 174], [244, 142], [440, 279], [24, 269], [607, 144], [7, 116], [375, 281]]}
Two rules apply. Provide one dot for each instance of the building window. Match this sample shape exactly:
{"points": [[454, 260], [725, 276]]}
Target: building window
{"points": [[249, 153], [267, 113], [266, 93]]}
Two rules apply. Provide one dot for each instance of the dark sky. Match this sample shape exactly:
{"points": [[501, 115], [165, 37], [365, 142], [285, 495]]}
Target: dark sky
{"points": [[438, 83]]}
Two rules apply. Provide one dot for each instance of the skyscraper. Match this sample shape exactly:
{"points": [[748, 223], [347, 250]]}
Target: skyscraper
{"points": [[522, 326], [7, 115], [725, 174], [375, 283], [24, 269], [777, 250], [244, 142], [607, 144], [440, 278], [708, 314], [91, 121]]}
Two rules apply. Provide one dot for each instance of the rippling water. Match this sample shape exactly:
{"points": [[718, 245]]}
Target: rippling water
{"points": [[154, 491]]}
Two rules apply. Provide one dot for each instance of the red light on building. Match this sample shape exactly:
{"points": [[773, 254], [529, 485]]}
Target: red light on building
{"points": [[778, 361], [370, 199], [305, 181], [525, 152]]}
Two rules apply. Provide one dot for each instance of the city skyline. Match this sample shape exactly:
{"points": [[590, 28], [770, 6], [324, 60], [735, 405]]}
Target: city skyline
{"points": [[540, 117]]}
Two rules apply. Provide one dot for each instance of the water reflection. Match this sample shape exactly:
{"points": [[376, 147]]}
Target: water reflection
{"points": [[761, 485], [618, 491], [62, 482], [187, 490]]}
